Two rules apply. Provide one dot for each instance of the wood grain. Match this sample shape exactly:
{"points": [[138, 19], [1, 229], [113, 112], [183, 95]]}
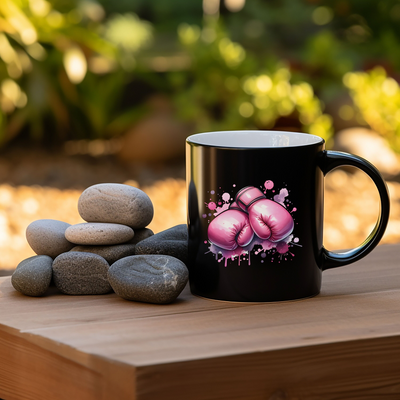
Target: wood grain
{"points": [[342, 344], [56, 309], [356, 370], [28, 371]]}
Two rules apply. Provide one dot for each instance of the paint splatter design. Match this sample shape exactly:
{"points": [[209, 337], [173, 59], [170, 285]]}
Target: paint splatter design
{"points": [[233, 231], [211, 206], [268, 185], [226, 197], [280, 198]]}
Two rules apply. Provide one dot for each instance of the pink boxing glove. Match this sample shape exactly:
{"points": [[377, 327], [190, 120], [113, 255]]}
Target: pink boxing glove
{"points": [[230, 229], [269, 219]]}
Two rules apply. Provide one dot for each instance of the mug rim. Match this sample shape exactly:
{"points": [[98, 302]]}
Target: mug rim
{"points": [[309, 139]]}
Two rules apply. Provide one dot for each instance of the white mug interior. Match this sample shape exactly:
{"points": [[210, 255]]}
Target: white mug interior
{"points": [[254, 139]]}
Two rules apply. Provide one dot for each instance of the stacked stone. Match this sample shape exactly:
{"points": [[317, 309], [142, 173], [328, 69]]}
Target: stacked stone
{"points": [[98, 256]]}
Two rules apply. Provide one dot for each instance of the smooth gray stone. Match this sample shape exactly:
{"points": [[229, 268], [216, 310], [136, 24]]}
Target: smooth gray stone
{"points": [[141, 234], [109, 253], [81, 273], [172, 242], [155, 279], [32, 276], [116, 203], [99, 234], [47, 237]]}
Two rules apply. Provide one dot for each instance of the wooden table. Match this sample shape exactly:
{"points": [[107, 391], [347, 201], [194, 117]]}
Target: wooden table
{"points": [[343, 344]]}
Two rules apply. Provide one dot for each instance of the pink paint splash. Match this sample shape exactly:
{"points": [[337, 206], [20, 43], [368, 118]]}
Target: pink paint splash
{"points": [[295, 242], [211, 205], [221, 209], [280, 198], [282, 248], [227, 254], [240, 253], [226, 197], [268, 185], [257, 246]]}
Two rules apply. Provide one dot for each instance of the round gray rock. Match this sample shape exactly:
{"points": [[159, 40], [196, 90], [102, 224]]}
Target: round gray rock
{"points": [[109, 253], [81, 273], [47, 237], [99, 234], [148, 278], [141, 234], [172, 242], [32, 276], [116, 203]]}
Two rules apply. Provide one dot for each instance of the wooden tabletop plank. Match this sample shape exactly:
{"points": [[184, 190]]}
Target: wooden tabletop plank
{"points": [[354, 370], [377, 272], [217, 333], [23, 312], [144, 334], [147, 343]]}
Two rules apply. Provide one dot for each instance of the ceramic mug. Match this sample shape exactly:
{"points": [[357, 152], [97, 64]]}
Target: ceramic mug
{"points": [[255, 214]]}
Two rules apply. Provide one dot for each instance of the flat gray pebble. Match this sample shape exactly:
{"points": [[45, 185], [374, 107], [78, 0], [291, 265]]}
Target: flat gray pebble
{"points": [[109, 253], [116, 203], [172, 242], [155, 279], [32, 276], [99, 234], [81, 273], [47, 237]]}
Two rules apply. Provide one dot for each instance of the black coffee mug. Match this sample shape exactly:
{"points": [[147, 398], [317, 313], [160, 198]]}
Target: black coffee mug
{"points": [[255, 214]]}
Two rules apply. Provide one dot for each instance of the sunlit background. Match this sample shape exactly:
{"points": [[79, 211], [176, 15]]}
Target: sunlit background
{"points": [[107, 91]]}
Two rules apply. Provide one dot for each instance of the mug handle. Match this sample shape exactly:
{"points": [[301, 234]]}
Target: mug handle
{"points": [[333, 159]]}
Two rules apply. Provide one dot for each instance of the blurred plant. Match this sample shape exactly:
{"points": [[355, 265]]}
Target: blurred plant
{"points": [[273, 96], [66, 66], [227, 88], [321, 40], [369, 28], [129, 34], [377, 98], [324, 61], [55, 65], [165, 15]]}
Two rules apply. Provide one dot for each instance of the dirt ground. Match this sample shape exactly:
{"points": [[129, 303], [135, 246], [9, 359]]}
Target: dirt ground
{"points": [[35, 184]]}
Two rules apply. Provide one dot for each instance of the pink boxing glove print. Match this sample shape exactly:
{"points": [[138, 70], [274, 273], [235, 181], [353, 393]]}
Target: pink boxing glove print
{"points": [[249, 223], [231, 229], [269, 220]]}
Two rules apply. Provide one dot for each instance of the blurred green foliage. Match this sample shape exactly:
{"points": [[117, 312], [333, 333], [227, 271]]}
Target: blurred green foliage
{"points": [[225, 88], [377, 98], [72, 69], [64, 68]]}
